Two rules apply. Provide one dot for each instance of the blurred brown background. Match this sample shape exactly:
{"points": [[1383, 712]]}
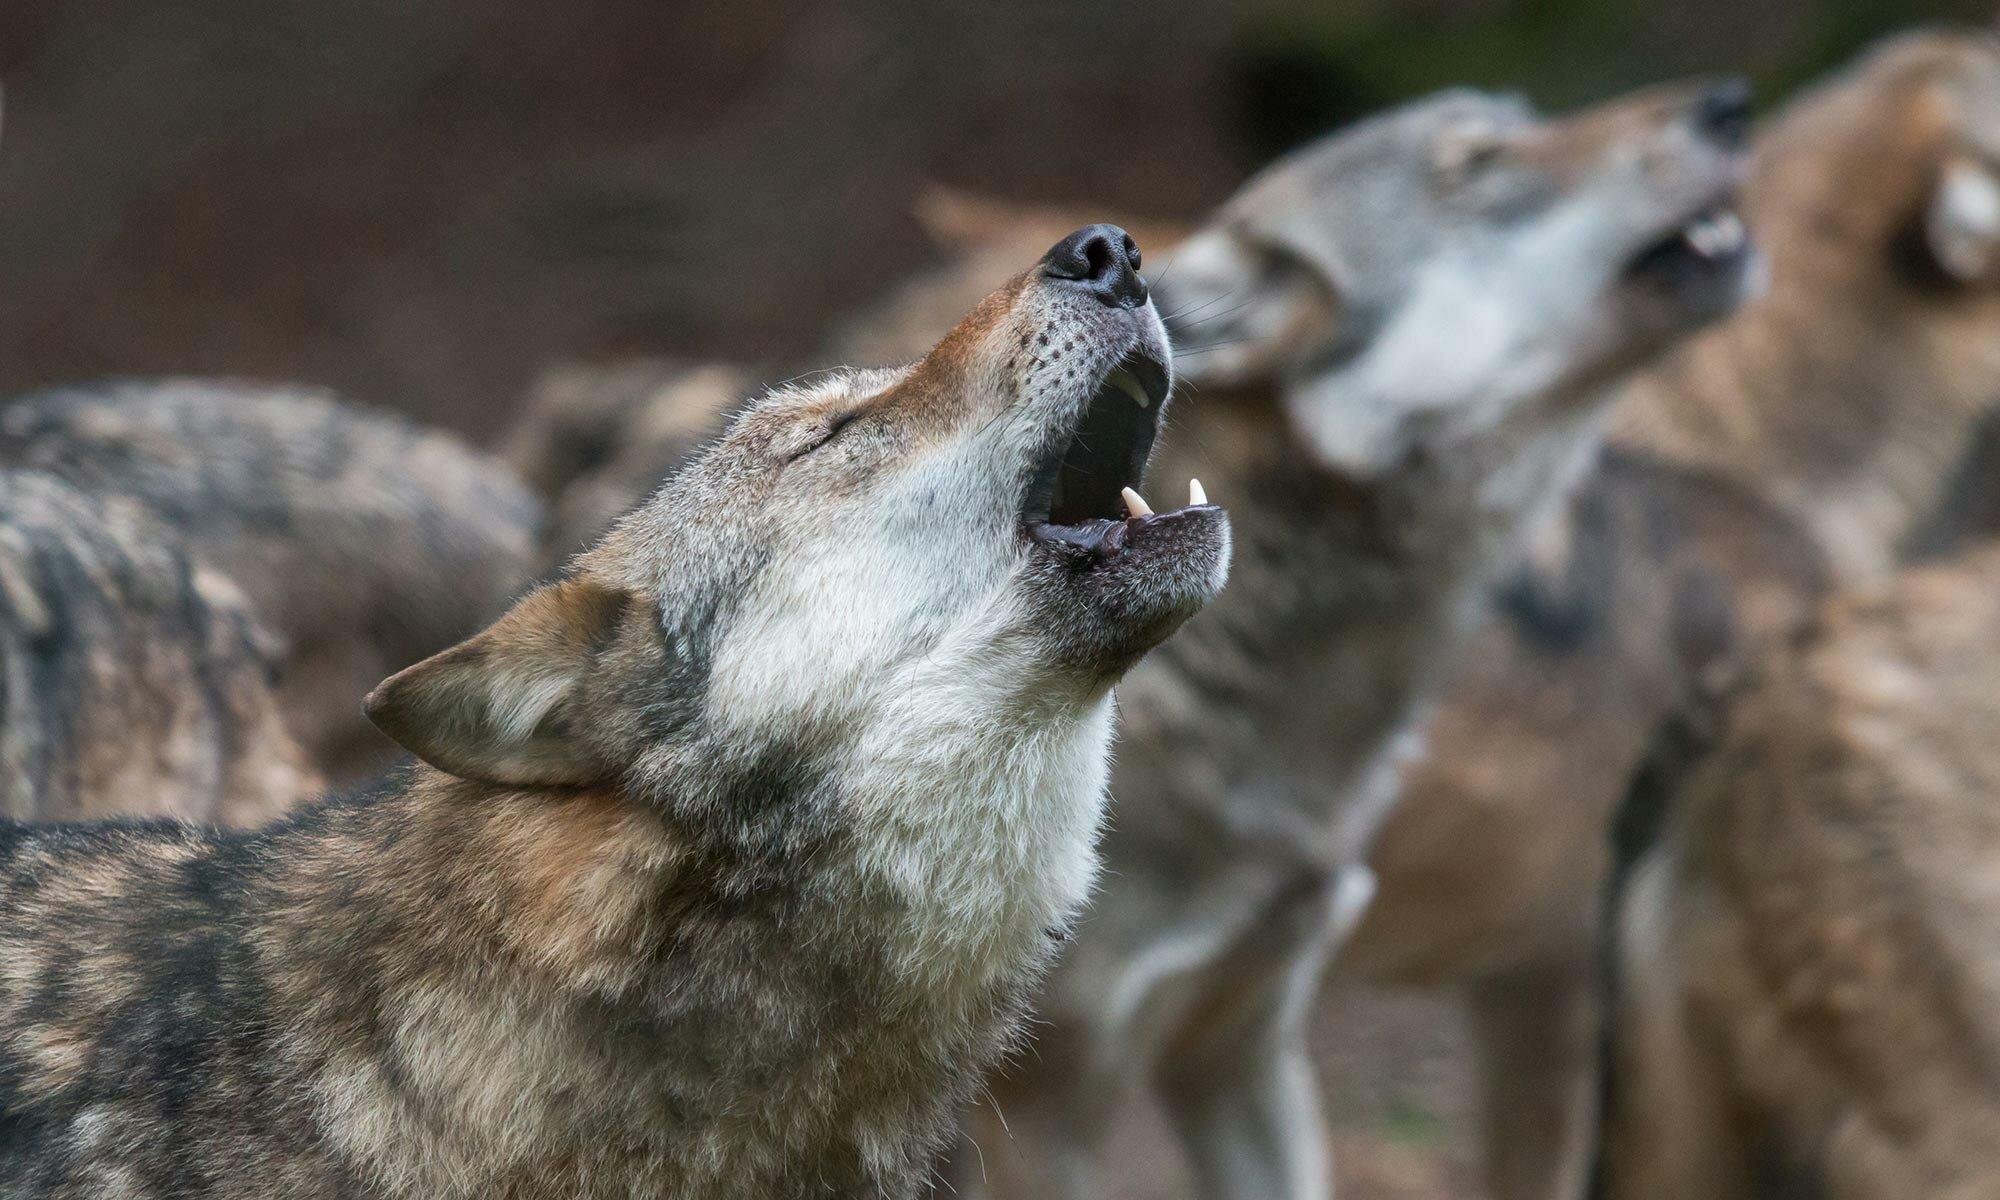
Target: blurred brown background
{"points": [[424, 201]]}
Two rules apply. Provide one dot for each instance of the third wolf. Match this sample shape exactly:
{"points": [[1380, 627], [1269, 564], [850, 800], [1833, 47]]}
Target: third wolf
{"points": [[1809, 442], [362, 540], [133, 679]]}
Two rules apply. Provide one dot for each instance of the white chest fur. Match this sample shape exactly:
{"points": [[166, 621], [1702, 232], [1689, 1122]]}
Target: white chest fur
{"points": [[985, 827]]}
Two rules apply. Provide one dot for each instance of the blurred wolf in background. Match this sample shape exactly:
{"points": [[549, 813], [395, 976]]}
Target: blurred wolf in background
{"points": [[361, 540], [1399, 340], [1806, 957], [596, 440], [1806, 442], [1810, 959], [734, 856], [133, 678]]}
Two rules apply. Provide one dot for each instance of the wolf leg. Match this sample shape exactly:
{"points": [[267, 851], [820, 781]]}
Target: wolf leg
{"points": [[1239, 1082], [1537, 1034], [1247, 1108]]}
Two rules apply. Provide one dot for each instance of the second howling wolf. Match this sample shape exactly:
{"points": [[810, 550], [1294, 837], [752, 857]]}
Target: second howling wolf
{"points": [[733, 856], [1402, 338]]}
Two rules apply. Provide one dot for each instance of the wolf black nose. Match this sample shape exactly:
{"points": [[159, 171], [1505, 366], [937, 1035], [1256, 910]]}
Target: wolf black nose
{"points": [[1103, 260], [1723, 112]]}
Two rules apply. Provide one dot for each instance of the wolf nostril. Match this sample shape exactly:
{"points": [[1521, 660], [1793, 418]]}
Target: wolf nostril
{"points": [[1101, 259], [1723, 112], [1097, 255]]}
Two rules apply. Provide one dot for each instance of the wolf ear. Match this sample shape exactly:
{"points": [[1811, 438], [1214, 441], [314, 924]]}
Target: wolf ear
{"points": [[1962, 221], [502, 706], [1238, 311]]}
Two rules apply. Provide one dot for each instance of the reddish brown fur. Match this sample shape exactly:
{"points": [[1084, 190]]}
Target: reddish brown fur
{"points": [[1813, 967], [1836, 405]]}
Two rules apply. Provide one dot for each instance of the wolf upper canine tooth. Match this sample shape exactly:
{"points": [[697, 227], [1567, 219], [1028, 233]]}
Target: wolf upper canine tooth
{"points": [[1135, 504], [1196, 494], [1128, 383]]}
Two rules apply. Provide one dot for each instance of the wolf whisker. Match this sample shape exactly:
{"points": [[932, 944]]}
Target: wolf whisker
{"points": [[1178, 313], [1214, 316]]}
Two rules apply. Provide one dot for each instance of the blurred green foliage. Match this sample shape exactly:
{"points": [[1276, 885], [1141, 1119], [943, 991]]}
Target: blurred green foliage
{"points": [[1410, 1124], [1297, 69]]}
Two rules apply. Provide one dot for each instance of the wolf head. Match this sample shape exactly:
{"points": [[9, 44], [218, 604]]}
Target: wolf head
{"points": [[1438, 265], [1852, 387], [1890, 170], [947, 539]]}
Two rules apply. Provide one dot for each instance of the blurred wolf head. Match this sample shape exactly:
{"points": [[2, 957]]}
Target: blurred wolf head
{"points": [[1439, 265]]}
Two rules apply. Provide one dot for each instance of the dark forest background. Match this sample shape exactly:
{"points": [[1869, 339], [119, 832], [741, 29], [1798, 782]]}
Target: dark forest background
{"points": [[424, 202]]}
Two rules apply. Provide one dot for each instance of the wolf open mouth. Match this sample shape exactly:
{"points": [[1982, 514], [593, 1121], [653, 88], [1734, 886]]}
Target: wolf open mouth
{"points": [[1084, 490], [1712, 242]]}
